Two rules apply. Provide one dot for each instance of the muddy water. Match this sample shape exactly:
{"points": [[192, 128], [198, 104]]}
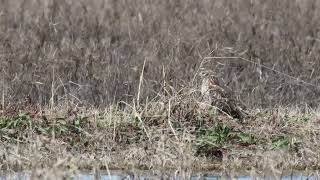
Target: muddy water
{"points": [[118, 175]]}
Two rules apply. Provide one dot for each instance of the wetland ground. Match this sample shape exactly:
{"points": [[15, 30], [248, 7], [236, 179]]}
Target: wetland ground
{"points": [[113, 84]]}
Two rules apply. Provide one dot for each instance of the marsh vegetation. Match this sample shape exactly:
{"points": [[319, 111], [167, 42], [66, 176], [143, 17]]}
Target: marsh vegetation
{"points": [[114, 84]]}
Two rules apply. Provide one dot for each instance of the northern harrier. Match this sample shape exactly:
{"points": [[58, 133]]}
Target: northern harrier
{"points": [[216, 95]]}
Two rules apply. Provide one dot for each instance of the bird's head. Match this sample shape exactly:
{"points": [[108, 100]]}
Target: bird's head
{"points": [[209, 77]]}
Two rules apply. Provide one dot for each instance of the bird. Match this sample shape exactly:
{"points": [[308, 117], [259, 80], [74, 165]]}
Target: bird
{"points": [[214, 94]]}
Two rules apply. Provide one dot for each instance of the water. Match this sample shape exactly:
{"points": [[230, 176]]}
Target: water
{"points": [[118, 175]]}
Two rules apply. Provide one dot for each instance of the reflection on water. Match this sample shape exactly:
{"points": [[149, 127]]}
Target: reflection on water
{"points": [[122, 176]]}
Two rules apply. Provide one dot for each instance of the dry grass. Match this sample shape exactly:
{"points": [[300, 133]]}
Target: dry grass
{"points": [[175, 132], [112, 84], [92, 53]]}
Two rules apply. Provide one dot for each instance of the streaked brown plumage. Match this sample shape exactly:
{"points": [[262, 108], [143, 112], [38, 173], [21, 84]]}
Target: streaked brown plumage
{"points": [[216, 95]]}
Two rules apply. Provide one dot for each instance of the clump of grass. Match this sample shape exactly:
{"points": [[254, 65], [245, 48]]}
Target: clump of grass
{"points": [[221, 137]]}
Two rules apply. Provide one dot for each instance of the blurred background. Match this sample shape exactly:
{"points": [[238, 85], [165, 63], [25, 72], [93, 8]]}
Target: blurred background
{"points": [[92, 52]]}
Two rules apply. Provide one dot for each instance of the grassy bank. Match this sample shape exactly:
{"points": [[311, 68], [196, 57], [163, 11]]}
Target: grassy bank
{"points": [[172, 133]]}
